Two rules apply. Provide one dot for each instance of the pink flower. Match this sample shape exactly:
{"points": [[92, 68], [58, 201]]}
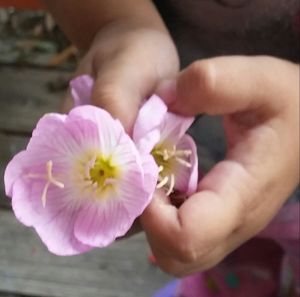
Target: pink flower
{"points": [[161, 134], [81, 181]]}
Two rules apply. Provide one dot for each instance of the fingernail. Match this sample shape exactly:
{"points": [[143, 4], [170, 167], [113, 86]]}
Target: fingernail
{"points": [[167, 90]]}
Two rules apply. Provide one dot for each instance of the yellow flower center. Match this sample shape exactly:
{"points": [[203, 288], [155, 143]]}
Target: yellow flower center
{"points": [[168, 158], [103, 173], [98, 174]]}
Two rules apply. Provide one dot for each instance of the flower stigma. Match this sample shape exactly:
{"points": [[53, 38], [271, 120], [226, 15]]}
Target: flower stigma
{"points": [[49, 180], [100, 174], [168, 158]]}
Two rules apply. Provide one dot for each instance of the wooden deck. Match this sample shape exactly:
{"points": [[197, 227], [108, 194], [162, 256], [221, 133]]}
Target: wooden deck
{"points": [[26, 267]]}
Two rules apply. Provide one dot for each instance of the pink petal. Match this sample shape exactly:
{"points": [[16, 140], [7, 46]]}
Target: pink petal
{"points": [[187, 178], [62, 138], [146, 129], [54, 223], [25, 203], [81, 89], [58, 235], [99, 225], [14, 170], [150, 174], [174, 127], [110, 129], [126, 154], [135, 191]]}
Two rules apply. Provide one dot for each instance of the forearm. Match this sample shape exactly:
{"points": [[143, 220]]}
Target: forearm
{"points": [[81, 20]]}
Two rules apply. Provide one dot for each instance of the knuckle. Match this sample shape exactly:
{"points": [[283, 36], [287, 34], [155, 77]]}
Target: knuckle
{"points": [[186, 251], [105, 94]]}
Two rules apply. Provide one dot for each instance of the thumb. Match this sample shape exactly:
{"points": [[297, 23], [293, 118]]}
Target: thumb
{"points": [[225, 85]]}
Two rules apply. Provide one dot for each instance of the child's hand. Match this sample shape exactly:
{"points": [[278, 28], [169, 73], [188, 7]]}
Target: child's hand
{"points": [[127, 64], [259, 100], [128, 49]]}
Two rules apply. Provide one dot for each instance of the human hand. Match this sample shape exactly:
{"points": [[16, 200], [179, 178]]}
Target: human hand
{"points": [[258, 98], [127, 63]]}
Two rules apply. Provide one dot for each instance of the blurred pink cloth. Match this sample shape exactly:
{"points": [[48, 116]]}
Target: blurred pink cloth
{"points": [[266, 266]]}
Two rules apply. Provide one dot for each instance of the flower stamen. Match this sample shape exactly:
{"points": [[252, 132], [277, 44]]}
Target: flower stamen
{"points": [[165, 158], [172, 184], [183, 162], [163, 182]]}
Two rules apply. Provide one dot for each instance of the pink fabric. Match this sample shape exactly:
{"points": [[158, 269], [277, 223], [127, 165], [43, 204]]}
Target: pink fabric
{"points": [[260, 268]]}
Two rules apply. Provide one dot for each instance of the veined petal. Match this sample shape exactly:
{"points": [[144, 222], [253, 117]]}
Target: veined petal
{"points": [[99, 225], [125, 153], [58, 138], [136, 192], [149, 117], [81, 89], [150, 174], [54, 223], [110, 129], [187, 177], [58, 235], [25, 202], [174, 127]]}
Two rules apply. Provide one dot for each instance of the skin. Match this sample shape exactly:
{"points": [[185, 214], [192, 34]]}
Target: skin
{"points": [[130, 54]]}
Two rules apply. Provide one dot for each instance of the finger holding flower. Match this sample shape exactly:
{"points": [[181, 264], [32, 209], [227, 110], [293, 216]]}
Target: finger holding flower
{"points": [[258, 98]]}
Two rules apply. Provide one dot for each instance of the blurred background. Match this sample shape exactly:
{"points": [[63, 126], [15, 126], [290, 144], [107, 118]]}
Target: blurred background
{"points": [[36, 64]]}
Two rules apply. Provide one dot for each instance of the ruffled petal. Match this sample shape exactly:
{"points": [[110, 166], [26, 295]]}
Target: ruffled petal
{"points": [[81, 89], [187, 178]]}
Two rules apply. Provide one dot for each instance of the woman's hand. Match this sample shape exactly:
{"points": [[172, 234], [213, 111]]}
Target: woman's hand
{"points": [[258, 98]]}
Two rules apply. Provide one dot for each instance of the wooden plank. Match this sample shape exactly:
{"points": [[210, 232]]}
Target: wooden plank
{"points": [[24, 97], [27, 267]]}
